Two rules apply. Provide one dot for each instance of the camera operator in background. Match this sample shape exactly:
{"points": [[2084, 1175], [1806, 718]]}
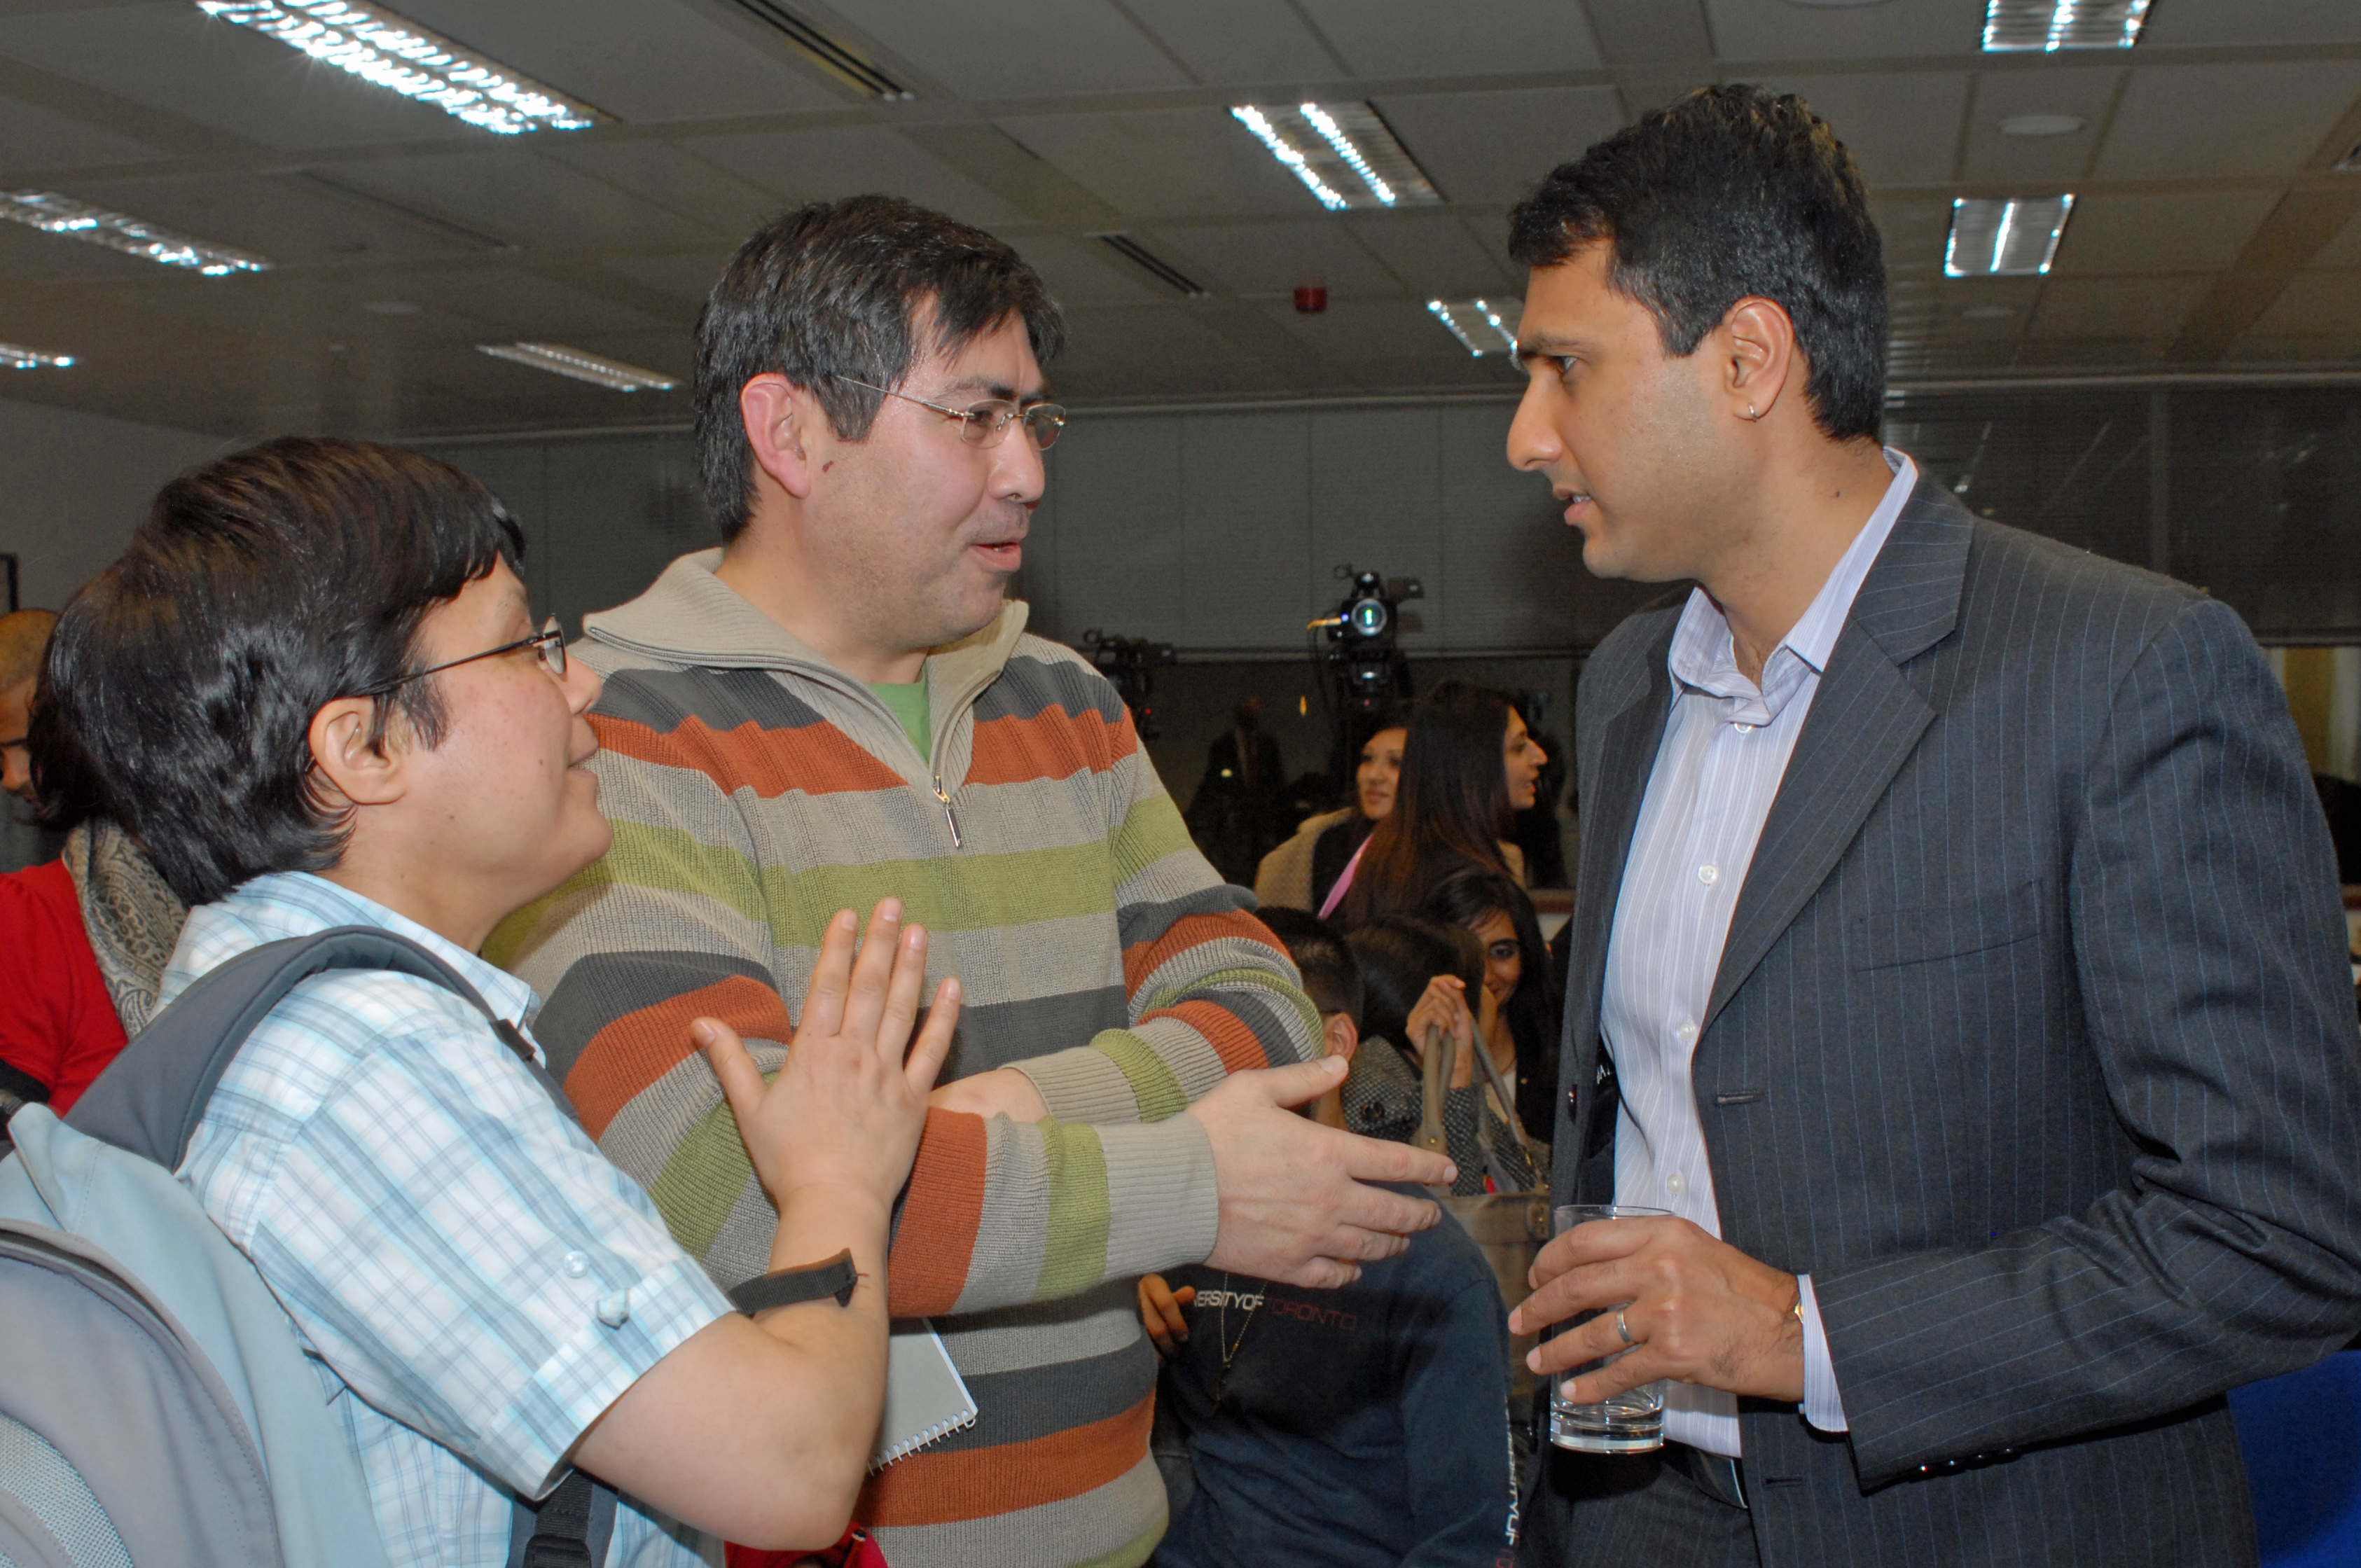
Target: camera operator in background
{"points": [[1235, 815], [1299, 873], [1362, 1428]]}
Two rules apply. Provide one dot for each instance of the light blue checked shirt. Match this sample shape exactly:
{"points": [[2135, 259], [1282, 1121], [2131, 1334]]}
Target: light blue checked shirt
{"points": [[475, 1281], [1717, 770]]}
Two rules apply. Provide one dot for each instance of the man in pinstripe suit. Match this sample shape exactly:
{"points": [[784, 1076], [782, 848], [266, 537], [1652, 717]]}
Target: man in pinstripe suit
{"points": [[1956, 950]]}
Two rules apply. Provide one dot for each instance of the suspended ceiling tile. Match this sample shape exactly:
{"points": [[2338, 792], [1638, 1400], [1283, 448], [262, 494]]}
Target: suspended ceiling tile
{"points": [[2053, 161], [1279, 257], [2186, 122], [287, 218], [502, 303], [217, 74], [1913, 230], [2204, 231], [2151, 307], [1082, 273], [1903, 130], [1138, 342], [825, 165], [672, 177], [1780, 29], [2345, 250], [1241, 43], [641, 61], [2314, 304], [1496, 147], [1166, 163], [513, 193], [686, 279], [32, 139], [2202, 22], [1381, 38], [1048, 49], [2324, 350], [1434, 254]]}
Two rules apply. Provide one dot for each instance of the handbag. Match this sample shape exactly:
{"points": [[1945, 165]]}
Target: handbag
{"points": [[1509, 1224]]}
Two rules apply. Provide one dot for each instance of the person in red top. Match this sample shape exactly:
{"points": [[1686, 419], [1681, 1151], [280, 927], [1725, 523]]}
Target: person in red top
{"points": [[83, 938]]}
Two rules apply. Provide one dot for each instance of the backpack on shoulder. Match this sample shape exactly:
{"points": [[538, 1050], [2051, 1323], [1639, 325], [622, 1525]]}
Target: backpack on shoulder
{"points": [[158, 1408]]}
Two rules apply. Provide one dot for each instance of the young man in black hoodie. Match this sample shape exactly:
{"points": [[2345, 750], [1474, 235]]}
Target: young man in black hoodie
{"points": [[1360, 1427]]}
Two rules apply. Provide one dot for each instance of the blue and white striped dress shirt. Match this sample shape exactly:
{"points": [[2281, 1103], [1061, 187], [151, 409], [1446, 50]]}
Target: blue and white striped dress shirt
{"points": [[475, 1281], [1724, 752]]}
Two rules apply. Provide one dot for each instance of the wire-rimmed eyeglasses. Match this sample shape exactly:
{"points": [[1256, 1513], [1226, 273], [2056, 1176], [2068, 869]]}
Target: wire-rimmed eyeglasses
{"points": [[987, 423], [548, 645]]}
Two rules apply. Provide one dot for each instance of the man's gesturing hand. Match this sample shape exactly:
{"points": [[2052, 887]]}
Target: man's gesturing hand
{"points": [[1293, 1206], [1699, 1310], [847, 1109]]}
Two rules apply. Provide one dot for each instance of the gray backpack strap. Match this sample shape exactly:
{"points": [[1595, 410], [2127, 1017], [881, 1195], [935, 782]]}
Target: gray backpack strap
{"points": [[151, 1097]]}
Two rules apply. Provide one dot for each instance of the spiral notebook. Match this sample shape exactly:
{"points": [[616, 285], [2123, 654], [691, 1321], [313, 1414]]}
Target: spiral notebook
{"points": [[925, 1399]]}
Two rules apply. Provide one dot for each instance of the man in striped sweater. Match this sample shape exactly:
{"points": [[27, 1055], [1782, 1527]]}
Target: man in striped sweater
{"points": [[838, 705]]}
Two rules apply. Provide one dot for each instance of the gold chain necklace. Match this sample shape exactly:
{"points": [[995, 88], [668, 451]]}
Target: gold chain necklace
{"points": [[1230, 1346]]}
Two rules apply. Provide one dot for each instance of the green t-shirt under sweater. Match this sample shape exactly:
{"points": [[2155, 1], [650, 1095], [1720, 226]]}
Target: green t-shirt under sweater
{"points": [[907, 700]]}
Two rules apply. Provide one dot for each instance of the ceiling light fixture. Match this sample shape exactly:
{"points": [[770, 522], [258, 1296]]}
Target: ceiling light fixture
{"points": [[2053, 25], [841, 60], [2005, 236], [397, 54], [1343, 152], [1481, 325], [580, 365], [53, 214], [17, 358]]}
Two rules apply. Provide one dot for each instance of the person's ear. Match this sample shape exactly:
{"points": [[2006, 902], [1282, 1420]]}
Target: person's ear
{"points": [[344, 758], [785, 426], [1344, 1036], [1758, 344]]}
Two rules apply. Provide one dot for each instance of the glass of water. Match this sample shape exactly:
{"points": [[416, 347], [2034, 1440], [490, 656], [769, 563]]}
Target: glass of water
{"points": [[1629, 1422]]}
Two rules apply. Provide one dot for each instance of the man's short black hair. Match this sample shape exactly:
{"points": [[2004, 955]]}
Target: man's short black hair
{"points": [[262, 587], [835, 289], [1329, 976], [1733, 191]]}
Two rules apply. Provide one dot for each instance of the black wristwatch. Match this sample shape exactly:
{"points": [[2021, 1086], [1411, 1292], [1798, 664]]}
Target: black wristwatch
{"points": [[786, 1287]]}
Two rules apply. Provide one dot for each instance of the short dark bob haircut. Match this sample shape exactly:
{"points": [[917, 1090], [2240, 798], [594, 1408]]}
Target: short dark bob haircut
{"points": [[1728, 193], [1397, 955], [836, 290], [262, 587]]}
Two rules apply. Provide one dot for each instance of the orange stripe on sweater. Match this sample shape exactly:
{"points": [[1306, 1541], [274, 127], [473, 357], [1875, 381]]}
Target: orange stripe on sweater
{"points": [[639, 1047], [928, 1267], [978, 1483], [1144, 958], [817, 759], [1240, 1048], [1052, 744]]}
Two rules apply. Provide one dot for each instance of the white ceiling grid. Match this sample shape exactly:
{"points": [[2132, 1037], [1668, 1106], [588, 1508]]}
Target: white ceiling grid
{"points": [[2210, 228]]}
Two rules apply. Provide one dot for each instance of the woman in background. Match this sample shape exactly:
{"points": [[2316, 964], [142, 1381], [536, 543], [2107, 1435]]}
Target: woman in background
{"points": [[1299, 873], [1517, 1013], [1467, 767]]}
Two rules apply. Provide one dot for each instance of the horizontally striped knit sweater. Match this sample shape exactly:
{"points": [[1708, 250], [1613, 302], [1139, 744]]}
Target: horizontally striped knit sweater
{"points": [[754, 790]]}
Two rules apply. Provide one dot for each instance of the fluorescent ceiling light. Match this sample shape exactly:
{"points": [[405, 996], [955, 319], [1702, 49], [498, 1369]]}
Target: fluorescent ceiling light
{"points": [[53, 214], [1342, 152], [2005, 238], [397, 54], [1481, 325], [595, 368], [15, 357], [2063, 24]]}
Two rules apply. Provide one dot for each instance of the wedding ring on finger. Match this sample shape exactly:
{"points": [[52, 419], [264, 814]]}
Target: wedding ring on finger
{"points": [[1621, 1328]]}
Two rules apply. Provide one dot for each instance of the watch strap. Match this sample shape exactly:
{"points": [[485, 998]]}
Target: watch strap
{"points": [[786, 1287]]}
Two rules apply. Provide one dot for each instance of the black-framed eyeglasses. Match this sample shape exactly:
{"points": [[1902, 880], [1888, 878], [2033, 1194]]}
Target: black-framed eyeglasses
{"points": [[987, 423], [548, 645]]}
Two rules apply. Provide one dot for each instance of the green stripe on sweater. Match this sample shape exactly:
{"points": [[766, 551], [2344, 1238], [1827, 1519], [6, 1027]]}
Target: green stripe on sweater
{"points": [[1151, 830], [961, 891], [1074, 1257], [1153, 1085], [702, 1180]]}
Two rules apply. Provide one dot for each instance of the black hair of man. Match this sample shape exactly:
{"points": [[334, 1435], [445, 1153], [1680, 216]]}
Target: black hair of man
{"points": [[263, 587], [840, 289], [1728, 193], [1397, 955], [1329, 976]]}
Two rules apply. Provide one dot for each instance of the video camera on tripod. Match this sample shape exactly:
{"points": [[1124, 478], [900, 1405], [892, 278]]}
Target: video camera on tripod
{"points": [[1366, 670], [1128, 663]]}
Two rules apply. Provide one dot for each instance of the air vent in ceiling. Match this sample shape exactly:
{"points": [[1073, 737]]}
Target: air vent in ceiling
{"points": [[1155, 266], [841, 61], [402, 210]]}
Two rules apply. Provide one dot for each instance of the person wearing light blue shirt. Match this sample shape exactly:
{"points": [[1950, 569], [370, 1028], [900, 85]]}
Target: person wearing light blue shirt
{"points": [[313, 686]]}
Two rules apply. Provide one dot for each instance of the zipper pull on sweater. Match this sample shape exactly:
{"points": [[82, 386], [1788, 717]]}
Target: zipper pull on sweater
{"points": [[950, 816]]}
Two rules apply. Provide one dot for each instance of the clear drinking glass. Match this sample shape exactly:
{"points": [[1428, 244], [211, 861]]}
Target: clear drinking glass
{"points": [[1629, 1422]]}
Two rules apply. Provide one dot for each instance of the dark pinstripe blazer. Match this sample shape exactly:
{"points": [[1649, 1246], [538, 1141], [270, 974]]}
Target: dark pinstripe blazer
{"points": [[2033, 1043]]}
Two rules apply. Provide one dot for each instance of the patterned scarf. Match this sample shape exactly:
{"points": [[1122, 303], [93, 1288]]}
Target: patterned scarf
{"points": [[133, 919]]}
